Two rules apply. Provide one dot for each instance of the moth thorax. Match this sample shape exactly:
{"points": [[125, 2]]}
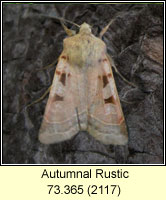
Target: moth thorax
{"points": [[85, 28]]}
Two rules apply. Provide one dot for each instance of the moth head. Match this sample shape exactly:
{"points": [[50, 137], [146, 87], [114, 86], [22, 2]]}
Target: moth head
{"points": [[85, 28]]}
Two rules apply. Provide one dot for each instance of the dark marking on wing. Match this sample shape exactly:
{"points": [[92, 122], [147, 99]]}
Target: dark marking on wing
{"points": [[102, 60], [58, 98], [64, 57], [63, 78], [105, 81], [109, 75], [110, 100], [57, 72], [121, 119], [105, 59]]}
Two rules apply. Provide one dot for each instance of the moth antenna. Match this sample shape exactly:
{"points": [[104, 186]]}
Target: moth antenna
{"points": [[104, 30], [68, 31], [62, 19], [78, 119], [70, 22]]}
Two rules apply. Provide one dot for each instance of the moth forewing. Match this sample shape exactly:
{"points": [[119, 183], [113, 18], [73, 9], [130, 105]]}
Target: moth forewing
{"points": [[106, 119], [83, 94], [60, 119]]}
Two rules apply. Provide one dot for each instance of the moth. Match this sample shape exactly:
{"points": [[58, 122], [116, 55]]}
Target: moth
{"points": [[83, 95]]}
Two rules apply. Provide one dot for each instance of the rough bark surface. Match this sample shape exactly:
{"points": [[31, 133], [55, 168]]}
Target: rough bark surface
{"points": [[32, 39]]}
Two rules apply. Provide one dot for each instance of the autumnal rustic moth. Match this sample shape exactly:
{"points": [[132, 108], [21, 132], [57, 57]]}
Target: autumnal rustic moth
{"points": [[83, 94]]}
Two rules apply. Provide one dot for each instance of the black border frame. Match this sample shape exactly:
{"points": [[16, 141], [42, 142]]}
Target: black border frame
{"points": [[80, 2]]}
